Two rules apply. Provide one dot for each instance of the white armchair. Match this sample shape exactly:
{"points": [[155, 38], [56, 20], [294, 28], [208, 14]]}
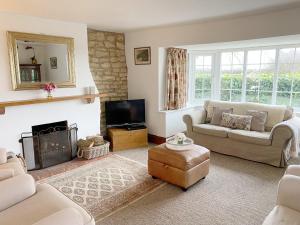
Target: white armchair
{"points": [[287, 209]]}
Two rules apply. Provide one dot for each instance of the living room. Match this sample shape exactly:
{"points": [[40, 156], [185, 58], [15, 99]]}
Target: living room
{"points": [[148, 99]]}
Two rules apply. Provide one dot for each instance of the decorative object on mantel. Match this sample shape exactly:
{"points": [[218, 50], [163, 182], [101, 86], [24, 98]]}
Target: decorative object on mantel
{"points": [[88, 98], [142, 56], [92, 147], [33, 59], [90, 90], [49, 87], [179, 142]]}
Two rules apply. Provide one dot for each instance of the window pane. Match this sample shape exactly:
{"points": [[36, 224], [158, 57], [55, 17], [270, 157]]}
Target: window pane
{"points": [[283, 98], [226, 81], [286, 55], [206, 94], [284, 82], [297, 56], [207, 60], [227, 58], [254, 57], [296, 100], [296, 83], [268, 56], [236, 96], [252, 82], [237, 81], [199, 60], [206, 81], [225, 95], [198, 94], [265, 97], [266, 81], [252, 96], [238, 58]]}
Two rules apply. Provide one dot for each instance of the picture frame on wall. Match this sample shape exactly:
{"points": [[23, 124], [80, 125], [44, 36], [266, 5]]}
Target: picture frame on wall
{"points": [[142, 56], [53, 62]]}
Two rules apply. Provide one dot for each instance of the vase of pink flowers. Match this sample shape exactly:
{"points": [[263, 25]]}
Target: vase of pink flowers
{"points": [[49, 87]]}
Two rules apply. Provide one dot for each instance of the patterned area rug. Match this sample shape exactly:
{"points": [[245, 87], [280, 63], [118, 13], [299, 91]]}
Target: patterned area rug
{"points": [[104, 186]]}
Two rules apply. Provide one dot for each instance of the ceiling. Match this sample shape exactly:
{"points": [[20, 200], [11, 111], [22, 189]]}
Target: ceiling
{"points": [[124, 15]]}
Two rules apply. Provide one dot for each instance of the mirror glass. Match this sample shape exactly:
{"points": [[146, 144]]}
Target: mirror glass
{"points": [[39, 59]]}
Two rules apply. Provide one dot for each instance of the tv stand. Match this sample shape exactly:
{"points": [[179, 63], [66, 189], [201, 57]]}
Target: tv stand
{"points": [[135, 127], [124, 138]]}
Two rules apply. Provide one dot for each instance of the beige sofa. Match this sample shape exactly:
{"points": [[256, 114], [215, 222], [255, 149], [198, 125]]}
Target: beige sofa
{"points": [[287, 209], [23, 202], [271, 147]]}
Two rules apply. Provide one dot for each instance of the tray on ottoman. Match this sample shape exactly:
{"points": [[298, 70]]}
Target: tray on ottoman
{"points": [[182, 168]]}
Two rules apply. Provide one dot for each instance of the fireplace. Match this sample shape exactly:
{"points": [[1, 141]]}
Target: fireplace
{"points": [[49, 144]]}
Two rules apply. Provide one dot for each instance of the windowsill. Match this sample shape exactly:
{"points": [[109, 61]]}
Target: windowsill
{"points": [[188, 107]]}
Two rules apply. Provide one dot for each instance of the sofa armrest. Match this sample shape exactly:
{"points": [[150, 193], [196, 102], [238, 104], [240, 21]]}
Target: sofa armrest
{"points": [[293, 170], [68, 216], [15, 190], [6, 173], [289, 192], [196, 117], [281, 134]]}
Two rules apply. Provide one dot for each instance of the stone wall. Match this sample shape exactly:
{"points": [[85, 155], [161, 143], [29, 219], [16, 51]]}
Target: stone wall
{"points": [[108, 67]]}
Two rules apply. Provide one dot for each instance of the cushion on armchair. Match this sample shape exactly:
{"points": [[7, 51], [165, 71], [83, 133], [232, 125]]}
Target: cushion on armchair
{"points": [[15, 190], [6, 173]]}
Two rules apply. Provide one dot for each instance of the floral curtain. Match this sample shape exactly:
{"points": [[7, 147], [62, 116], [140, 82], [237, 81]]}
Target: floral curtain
{"points": [[176, 78]]}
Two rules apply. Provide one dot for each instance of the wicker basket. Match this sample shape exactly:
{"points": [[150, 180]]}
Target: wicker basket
{"points": [[94, 152]]}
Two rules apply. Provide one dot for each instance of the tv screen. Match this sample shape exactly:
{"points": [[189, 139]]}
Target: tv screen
{"points": [[125, 112]]}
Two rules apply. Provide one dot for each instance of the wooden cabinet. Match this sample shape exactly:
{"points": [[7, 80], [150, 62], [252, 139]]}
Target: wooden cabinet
{"points": [[30, 72], [122, 139]]}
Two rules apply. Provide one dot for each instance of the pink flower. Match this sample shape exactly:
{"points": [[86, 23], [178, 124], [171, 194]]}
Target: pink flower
{"points": [[49, 87]]}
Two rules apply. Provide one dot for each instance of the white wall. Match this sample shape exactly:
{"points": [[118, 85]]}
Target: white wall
{"points": [[147, 81], [20, 118]]}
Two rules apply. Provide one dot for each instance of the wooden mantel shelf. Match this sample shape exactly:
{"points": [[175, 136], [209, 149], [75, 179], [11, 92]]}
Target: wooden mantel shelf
{"points": [[87, 98]]}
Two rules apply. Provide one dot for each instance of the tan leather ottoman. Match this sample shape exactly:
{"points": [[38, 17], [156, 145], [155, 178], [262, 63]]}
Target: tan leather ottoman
{"points": [[182, 168]]}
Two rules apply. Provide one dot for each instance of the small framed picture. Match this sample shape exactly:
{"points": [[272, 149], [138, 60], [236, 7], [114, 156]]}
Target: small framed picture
{"points": [[53, 62], [142, 56]]}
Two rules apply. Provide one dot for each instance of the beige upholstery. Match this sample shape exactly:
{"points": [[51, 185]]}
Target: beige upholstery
{"points": [[276, 114], [254, 137], [16, 190], [15, 164], [287, 209], [68, 216], [6, 173], [3, 156], [270, 147], [22, 202], [210, 129], [182, 168]]}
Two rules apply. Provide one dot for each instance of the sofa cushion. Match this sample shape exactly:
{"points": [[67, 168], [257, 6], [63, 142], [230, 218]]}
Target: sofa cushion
{"points": [[15, 190], [282, 215], [242, 122], [210, 129], [45, 202], [68, 216], [15, 164], [253, 137], [276, 113], [259, 120], [217, 115], [6, 173]]}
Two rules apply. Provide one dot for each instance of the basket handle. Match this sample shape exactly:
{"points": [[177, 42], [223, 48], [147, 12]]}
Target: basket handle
{"points": [[79, 153]]}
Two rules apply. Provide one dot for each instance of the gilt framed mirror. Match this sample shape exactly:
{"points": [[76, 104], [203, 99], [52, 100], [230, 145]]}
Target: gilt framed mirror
{"points": [[36, 59]]}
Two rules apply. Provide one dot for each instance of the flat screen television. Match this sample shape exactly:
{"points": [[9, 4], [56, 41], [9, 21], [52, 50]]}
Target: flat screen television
{"points": [[126, 112]]}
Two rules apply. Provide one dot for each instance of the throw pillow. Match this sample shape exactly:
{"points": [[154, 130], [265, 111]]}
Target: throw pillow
{"points": [[241, 122], [259, 119], [217, 115]]}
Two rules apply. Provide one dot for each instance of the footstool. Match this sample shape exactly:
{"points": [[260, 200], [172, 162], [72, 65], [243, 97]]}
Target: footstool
{"points": [[181, 168]]}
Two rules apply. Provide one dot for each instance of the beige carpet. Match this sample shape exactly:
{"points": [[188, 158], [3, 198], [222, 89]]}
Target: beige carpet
{"points": [[236, 192], [105, 185]]}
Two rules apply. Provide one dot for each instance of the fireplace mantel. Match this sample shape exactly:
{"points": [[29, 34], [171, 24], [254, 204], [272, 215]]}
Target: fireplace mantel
{"points": [[88, 98]]}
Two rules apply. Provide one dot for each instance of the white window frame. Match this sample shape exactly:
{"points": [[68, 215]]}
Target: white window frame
{"points": [[216, 71]]}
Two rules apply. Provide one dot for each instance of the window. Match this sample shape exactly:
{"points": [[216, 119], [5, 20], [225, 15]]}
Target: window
{"points": [[201, 73], [269, 75], [232, 75]]}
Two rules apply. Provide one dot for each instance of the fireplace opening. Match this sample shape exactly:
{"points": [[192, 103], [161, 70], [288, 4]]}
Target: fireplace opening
{"points": [[49, 144]]}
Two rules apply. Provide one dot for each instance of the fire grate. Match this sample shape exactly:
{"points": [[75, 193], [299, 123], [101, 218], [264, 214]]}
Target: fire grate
{"points": [[49, 147]]}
